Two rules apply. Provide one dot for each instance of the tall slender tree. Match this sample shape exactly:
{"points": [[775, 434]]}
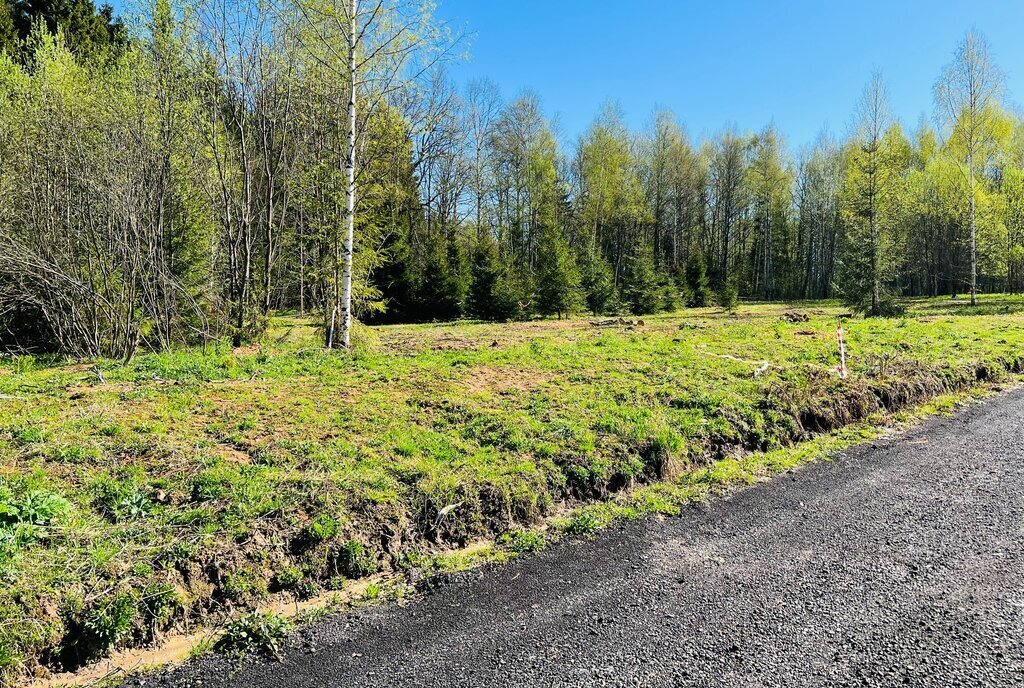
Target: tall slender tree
{"points": [[965, 95]]}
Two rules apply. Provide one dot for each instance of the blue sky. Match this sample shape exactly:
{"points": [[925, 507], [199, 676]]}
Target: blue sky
{"points": [[798, 64]]}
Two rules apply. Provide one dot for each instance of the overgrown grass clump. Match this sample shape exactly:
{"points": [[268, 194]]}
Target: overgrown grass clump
{"points": [[185, 486]]}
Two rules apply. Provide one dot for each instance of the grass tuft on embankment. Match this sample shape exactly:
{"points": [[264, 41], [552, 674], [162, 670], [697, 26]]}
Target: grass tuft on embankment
{"points": [[189, 487]]}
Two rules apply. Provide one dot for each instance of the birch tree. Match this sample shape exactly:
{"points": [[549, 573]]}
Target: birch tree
{"points": [[378, 49], [965, 95]]}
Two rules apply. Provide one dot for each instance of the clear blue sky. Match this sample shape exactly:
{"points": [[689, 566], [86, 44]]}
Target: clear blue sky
{"points": [[800, 64]]}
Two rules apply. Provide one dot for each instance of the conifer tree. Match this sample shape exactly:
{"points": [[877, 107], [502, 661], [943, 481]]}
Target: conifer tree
{"points": [[598, 284], [869, 206], [698, 292], [558, 280], [640, 286]]}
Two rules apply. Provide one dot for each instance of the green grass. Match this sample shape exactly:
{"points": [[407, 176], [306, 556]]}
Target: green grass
{"points": [[185, 486]]}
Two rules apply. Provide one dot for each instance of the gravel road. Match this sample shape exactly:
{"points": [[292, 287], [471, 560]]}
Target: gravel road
{"points": [[899, 563]]}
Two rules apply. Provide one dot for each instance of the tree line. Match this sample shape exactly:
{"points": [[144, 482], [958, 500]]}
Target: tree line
{"points": [[179, 177]]}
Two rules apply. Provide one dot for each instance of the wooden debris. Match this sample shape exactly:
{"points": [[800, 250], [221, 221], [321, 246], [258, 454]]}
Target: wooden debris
{"points": [[616, 322]]}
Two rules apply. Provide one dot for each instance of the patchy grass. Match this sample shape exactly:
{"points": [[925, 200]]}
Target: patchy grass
{"points": [[186, 488]]}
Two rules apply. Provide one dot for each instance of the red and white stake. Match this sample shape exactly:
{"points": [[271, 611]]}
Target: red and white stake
{"points": [[842, 350]]}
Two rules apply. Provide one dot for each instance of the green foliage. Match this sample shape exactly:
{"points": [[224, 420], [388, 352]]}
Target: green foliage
{"points": [[521, 541], [354, 560], [492, 295], [728, 296], [109, 621], [23, 516], [120, 498], [598, 284], [8, 35], [489, 424], [582, 523], [442, 285], [88, 29], [322, 528], [558, 280], [698, 289], [257, 632], [643, 290]]}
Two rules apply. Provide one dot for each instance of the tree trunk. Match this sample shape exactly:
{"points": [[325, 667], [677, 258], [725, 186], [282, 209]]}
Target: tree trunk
{"points": [[974, 237], [350, 184]]}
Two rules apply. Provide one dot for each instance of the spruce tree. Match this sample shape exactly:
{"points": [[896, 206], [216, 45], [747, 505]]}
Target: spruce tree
{"points": [[639, 287], [698, 291], [728, 296], [490, 295], [558, 280], [442, 283], [598, 284], [87, 29]]}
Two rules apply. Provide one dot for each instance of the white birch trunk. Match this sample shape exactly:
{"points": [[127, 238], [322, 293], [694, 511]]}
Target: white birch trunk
{"points": [[974, 238], [350, 184]]}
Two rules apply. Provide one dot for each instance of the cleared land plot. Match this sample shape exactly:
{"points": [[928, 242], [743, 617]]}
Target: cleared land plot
{"points": [[182, 487]]}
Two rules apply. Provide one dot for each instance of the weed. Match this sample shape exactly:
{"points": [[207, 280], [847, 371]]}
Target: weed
{"points": [[109, 621], [583, 523], [257, 632], [354, 560], [520, 541]]}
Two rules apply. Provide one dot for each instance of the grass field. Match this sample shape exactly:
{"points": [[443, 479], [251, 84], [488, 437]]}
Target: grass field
{"points": [[187, 487]]}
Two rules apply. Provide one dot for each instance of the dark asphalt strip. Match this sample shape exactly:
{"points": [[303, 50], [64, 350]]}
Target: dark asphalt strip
{"points": [[899, 563]]}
